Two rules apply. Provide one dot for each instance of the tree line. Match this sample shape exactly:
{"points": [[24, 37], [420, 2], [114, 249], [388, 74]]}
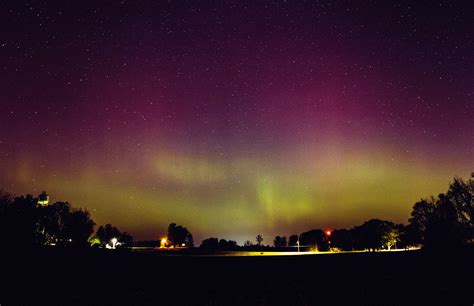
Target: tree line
{"points": [[444, 221], [25, 222]]}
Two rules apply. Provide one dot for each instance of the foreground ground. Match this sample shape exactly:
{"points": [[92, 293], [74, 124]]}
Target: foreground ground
{"points": [[103, 277]]}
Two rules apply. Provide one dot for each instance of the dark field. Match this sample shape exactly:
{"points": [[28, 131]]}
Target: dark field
{"points": [[100, 277]]}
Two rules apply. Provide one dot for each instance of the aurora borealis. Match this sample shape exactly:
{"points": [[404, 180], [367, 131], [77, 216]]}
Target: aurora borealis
{"points": [[236, 118]]}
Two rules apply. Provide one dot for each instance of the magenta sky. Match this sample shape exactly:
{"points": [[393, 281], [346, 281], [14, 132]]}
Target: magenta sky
{"points": [[235, 118]]}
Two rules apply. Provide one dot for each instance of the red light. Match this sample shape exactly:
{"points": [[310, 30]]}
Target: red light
{"points": [[328, 233]]}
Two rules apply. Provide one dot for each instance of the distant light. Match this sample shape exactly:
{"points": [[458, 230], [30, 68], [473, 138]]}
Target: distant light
{"points": [[43, 199], [328, 233], [114, 242], [183, 244], [163, 242]]}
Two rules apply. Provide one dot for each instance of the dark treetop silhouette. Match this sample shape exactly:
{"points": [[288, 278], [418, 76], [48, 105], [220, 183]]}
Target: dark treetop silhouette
{"points": [[439, 222]]}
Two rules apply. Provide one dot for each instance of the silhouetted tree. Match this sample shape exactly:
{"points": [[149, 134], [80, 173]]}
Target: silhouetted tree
{"points": [[28, 223], [342, 239], [248, 243], [227, 244], [210, 244], [22, 222], [126, 239], [259, 239], [421, 213], [314, 239], [54, 222], [106, 233], [279, 242], [232, 244], [79, 226], [443, 229], [293, 240], [461, 195], [216, 244], [5, 204], [445, 221], [405, 238], [178, 235], [369, 235]]}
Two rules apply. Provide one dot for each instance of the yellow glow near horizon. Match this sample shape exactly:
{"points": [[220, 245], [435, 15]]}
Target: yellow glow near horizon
{"points": [[239, 198]]}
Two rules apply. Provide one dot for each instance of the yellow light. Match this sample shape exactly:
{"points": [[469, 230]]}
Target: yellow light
{"points": [[163, 242]]}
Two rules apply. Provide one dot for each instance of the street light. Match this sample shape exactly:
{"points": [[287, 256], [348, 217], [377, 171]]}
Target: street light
{"points": [[163, 242], [298, 244], [328, 234], [114, 242]]}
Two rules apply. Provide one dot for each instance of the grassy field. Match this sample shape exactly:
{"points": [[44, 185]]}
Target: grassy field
{"points": [[103, 277]]}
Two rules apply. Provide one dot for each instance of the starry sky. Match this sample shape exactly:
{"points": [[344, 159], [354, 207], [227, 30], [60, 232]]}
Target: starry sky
{"points": [[235, 118]]}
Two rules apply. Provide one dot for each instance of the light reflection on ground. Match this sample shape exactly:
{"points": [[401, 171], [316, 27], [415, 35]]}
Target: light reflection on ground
{"points": [[260, 253]]}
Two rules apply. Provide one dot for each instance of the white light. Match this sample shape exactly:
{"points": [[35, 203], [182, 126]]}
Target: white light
{"points": [[114, 242]]}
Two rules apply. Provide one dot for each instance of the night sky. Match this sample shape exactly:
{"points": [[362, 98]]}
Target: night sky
{"points": [[236, 118]]}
